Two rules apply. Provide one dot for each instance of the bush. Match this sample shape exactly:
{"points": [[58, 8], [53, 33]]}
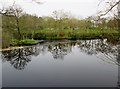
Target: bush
{"points": [[39, 36]]}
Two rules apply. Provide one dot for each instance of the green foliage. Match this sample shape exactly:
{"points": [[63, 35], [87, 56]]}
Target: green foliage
{"points": [[48, 34], [49, 28], [25, 42], [28, 42]]}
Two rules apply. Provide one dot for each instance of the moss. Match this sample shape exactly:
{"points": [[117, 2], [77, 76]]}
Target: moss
{"points": [[26, 42]]}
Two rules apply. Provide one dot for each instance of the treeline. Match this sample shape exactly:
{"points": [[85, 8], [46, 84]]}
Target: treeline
{"points": [[60, 25], [31, 22]]}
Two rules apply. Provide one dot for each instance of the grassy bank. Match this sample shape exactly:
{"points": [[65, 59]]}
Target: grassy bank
{"points": [[30, 37], [15, 42], [24, 42], [48, 34]]}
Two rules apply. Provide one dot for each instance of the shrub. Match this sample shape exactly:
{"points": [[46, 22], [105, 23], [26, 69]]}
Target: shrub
{"points": [[39, 36]]}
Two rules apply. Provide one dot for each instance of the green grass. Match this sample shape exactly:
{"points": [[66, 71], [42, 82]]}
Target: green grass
{"points": [[28, 42], [48, 34], [24, 42]]}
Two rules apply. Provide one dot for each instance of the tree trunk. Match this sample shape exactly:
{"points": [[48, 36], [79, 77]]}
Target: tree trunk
{"points": [[18, 28]]}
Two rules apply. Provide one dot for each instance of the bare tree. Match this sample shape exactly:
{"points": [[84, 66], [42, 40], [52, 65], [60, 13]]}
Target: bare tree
{"points": [[111, 5], [13, 11]]}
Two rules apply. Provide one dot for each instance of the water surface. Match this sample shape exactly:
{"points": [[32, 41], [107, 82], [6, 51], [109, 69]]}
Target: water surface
{"points": [[82, 63]]}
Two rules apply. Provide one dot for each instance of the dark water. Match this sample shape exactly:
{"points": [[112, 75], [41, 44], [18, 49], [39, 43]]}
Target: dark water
{"points": [[83, 63]]}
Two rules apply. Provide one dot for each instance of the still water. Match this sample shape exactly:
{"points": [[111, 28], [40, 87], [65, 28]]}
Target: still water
{"points": [[81, 63]]}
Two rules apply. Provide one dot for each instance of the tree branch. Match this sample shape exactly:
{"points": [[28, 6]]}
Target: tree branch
{"points": [[110, 8]]}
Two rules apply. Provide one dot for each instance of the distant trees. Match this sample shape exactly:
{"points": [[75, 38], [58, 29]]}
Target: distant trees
{"points": [[59, 16], [48, 22], [59, 20], [21, 25], [63, 19], [30, 22], [14, 18]]}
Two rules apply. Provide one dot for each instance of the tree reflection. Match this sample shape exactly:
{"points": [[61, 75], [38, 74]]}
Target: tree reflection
{"points": [[105, 50], [101, 48], [19, 57], [60, 50]]}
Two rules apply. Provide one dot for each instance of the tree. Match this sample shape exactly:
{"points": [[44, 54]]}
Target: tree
{"points": [[111, 5], [48, 22], [60, 16], [16, 12]]}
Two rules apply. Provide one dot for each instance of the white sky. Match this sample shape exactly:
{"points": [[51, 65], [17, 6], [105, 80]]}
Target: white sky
{"points": [[79, 8]]}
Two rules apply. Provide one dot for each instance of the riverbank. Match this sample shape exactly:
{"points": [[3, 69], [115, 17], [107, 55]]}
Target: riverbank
{"points": [[49, 34], [38, 36], [13, 48], [22, 44]]}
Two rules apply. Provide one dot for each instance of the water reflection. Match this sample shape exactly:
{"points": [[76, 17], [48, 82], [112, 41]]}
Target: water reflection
{"points": [[60, 50], [105, 50], [19, 57], [101, 48]]}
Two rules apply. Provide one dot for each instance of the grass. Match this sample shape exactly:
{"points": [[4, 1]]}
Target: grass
{"points": [[28, 42], [48, 34], [24, 42]]}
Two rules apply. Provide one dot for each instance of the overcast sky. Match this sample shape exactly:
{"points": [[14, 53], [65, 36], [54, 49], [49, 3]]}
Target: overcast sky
{"points": [[79, 8]]}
